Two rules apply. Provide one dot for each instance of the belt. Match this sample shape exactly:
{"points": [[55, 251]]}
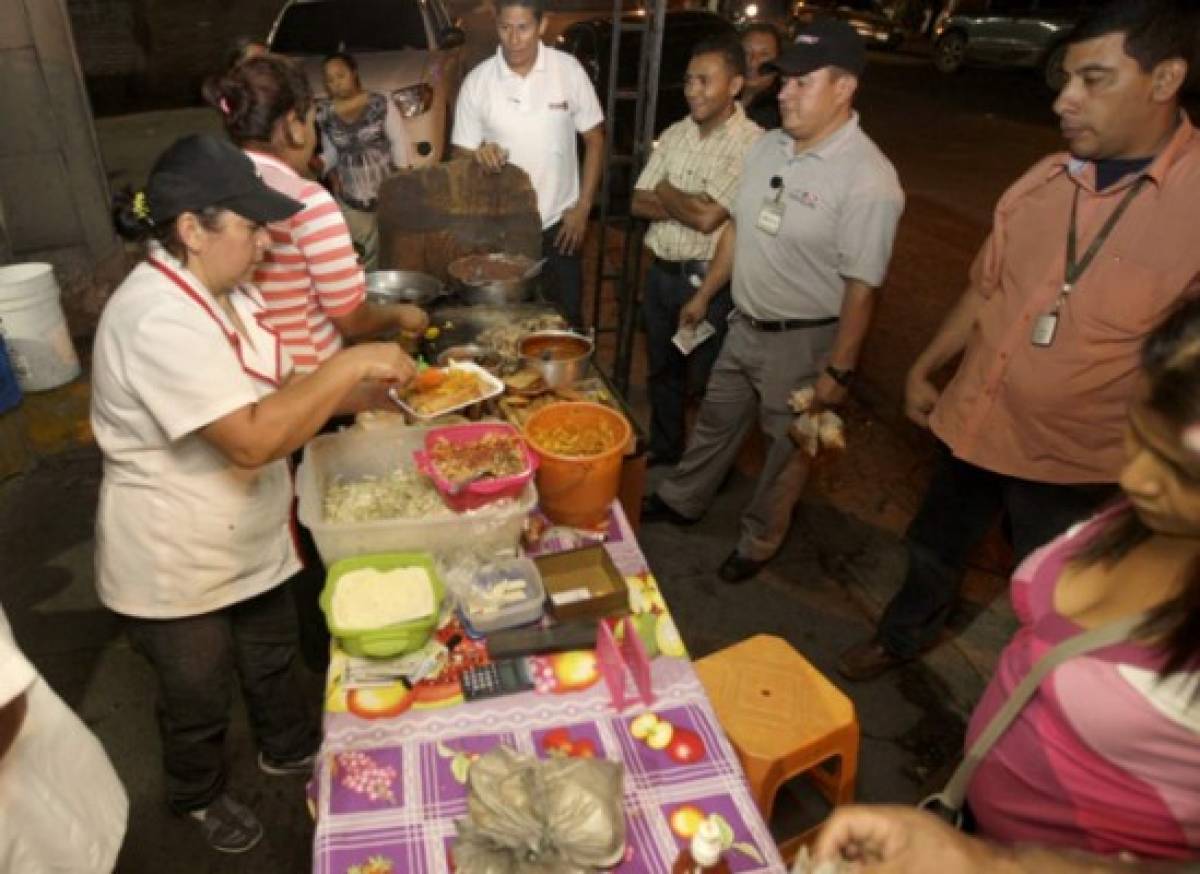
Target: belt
{"points": [[776, 327], [681, 268]]}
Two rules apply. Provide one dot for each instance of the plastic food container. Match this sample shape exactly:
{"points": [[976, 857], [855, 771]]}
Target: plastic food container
{"points": [[390, 640], [356, 453], [483, 491], [489, 387], [492, 578]]}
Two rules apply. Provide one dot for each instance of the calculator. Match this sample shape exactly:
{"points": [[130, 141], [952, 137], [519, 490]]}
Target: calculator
{"points": [[504, 677]]}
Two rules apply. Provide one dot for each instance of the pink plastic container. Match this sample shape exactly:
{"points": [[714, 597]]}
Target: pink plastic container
{"points": [[480, 492]]}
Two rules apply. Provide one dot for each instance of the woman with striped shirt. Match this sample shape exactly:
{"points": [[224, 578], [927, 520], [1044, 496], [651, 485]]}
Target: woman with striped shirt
{"points": [[313, 285]]}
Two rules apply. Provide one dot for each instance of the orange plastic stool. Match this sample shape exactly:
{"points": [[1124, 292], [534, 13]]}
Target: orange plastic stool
{"points": [[783, 718]]}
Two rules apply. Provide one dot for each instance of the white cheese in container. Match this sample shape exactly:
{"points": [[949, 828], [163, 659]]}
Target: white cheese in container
{"points": [[366, 599]]}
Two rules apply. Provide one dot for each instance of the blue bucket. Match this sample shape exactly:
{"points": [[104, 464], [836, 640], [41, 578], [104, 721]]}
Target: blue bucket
{"points": [[10, 392]]}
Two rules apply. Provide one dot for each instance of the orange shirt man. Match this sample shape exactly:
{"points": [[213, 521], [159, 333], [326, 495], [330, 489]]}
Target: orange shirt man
{"points": [[1088, 252]]}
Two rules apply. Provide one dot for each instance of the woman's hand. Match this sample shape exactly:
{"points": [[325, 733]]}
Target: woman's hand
{"points": [[885, 839], [380, 362], [411, 319]]}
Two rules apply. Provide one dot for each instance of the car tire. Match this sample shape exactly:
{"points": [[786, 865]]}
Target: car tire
{"points": [[949, 52], [1052, 68]]}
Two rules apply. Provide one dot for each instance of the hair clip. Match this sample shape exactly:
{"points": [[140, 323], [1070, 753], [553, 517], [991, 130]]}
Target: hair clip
{"points": [[141, 208], [223, 105]]}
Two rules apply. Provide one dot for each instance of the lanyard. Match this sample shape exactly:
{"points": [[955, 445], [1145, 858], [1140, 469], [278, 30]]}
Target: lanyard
{"points": [[1075, 268], [1045, 326]]}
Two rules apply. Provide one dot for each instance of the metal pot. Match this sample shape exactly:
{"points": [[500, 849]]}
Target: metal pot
{"points": [[561, 357], [492, 291], [403, 286]]}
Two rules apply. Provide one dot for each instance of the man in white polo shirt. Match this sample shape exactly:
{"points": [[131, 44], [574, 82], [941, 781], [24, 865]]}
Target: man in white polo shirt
{"points": [[526, 105], [808, 244]]}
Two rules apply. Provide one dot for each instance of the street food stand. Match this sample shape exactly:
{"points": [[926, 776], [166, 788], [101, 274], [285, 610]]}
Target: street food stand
{"points": [[399, 743]]}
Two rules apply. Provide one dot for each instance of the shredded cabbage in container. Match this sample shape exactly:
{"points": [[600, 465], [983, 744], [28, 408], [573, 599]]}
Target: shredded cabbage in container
{"points": [[402, 494]]}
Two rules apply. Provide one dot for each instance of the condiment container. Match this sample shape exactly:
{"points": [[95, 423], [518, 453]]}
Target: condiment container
{"points": [[504, 594]]}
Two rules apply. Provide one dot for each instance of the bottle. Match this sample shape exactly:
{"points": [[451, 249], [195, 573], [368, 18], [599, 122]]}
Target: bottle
{"points": [[704, 854]]}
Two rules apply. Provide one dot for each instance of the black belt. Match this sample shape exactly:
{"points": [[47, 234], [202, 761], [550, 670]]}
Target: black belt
{"points": [[681, 268], [776, 327]]}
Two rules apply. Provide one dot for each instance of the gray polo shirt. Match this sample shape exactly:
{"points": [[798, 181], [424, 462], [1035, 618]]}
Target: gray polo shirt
{"points": [[843, 201]]}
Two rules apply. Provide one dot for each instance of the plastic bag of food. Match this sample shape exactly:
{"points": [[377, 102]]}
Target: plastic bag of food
{"points": [[557, 816]]}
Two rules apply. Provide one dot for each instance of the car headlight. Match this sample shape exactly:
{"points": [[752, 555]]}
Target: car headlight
{"points": [[413, 100]]}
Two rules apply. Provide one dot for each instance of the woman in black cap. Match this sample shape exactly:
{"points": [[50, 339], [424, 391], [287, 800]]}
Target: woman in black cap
{"points": [[196, 407]]}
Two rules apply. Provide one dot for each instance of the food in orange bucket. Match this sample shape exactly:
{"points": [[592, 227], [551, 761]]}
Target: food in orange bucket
{"points": [[437, 389], [574, 439]]}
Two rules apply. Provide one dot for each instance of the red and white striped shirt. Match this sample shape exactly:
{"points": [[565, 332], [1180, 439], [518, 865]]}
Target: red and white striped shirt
{"points": [[310, 274]]}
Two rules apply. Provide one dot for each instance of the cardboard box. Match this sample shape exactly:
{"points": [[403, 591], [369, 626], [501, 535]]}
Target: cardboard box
{"points": [[583, 583]]}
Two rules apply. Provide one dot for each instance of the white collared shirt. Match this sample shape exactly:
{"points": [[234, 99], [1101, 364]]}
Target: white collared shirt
{"points": [[535, 117], [180, 529]]}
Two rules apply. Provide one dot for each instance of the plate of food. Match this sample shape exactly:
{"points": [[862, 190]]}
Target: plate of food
{"points": [[436, 391]]}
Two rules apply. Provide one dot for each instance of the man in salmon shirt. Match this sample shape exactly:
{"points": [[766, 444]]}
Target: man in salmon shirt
{"points": [[1088, 251]]}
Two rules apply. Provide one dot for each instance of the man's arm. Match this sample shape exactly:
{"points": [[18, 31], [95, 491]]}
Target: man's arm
{"points": [[698, 211], [646, 205], [720, 270], [920, 394], [574, 220], [858, 305]]}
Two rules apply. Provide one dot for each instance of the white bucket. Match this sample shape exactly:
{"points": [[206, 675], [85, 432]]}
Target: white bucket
{"points": [[33, 326]]}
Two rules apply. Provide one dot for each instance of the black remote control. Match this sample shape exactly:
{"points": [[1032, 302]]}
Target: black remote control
{"points": [[533, 641]]}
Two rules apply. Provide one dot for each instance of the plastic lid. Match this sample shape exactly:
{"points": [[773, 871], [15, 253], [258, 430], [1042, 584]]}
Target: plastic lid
{"points": [[706, 843]]}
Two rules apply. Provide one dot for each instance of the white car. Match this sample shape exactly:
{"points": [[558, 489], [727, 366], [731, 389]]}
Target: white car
{"points": [[410, 50]]}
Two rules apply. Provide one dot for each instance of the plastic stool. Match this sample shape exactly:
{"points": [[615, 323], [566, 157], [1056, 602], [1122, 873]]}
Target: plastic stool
{"points": [[783, 718]]}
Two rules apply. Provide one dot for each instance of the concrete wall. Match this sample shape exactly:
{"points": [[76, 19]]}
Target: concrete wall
{"points": [[54, 199]]}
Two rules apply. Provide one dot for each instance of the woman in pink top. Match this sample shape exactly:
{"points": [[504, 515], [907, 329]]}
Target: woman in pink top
{"points": [[1106, 756], [311, 280]]}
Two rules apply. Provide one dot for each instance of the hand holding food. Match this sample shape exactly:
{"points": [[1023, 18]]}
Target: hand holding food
{"points": [[411, 319], [814, 430]]}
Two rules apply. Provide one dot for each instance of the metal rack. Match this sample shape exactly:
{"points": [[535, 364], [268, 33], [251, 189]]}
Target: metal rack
{"points": [[626, 276]]}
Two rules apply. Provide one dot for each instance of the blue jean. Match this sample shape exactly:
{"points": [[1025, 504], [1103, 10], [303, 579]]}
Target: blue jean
{"points": [[195, 659], [960, 506], [562, 278], [673, 377]]}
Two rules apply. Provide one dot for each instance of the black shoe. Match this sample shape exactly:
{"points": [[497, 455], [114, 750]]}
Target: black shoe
{"points": [[737, 569], [868, 660], [655, 509]]}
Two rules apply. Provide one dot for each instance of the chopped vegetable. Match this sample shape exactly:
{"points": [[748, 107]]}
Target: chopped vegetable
{"points": [[404, 494]]}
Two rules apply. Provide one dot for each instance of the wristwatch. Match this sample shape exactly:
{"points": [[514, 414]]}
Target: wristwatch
{"points": [[843, 376]]}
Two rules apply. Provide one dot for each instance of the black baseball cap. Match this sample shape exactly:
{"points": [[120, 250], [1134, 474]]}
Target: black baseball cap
{"points": [[826, 42], [201, 171]]}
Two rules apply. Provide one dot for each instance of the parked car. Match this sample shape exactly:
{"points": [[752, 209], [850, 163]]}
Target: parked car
{"points": [[868, 17], [410, 50], [1010, 33]]}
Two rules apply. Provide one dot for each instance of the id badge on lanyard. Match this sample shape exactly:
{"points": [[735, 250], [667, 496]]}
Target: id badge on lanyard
{"points": [[770, 216]]}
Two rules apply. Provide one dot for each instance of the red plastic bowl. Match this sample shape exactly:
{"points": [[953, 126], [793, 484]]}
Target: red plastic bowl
{"points": [[483, 491]]}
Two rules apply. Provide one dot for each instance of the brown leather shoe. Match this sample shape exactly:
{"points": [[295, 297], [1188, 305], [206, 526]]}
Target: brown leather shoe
{"points": [[868, 660]]}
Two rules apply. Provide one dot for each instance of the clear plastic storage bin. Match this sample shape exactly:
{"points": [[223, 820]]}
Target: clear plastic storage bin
{"points": [[356, 453], [482, 605]]}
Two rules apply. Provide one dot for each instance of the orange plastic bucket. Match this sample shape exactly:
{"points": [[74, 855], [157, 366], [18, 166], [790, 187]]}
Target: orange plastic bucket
{"points": [[577, 490]]}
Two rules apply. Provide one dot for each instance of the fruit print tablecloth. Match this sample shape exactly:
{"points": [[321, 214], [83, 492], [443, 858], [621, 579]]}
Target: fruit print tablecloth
{"points": [[391, 781]]}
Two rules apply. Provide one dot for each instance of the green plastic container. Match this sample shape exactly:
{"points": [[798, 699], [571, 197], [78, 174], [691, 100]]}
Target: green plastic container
{"points": [[391, 640]]}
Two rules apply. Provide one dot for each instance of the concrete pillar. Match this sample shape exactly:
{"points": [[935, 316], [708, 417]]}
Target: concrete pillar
{"points": [[54, 198]]}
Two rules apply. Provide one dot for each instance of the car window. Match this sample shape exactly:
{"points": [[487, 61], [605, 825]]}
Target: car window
{"points": [[383, 25], [1059, 6], [1010, 7], [579, 41], [309, 29]]}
